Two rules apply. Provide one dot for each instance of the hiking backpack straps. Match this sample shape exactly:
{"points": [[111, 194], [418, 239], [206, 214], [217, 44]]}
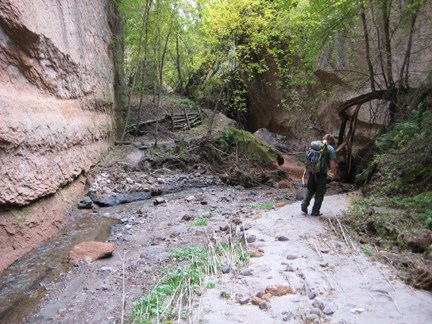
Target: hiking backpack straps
{"points": [[315, 157]]}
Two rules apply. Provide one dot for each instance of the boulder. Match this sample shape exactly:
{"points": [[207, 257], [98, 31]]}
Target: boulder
{"points": [[90, 250]]}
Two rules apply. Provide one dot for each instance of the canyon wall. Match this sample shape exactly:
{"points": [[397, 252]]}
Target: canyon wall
{"points": [[336, 81], [56, 110]]}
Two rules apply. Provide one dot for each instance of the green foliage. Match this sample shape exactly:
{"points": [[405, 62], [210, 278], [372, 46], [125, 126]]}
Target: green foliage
{"points": [[181, 279], [364, 177], [148, 25], [199, 222], [189, 253], [420, 205], [190, 266], [383, 226], [389, 220], [267, 206], [226, 140], [404, 158], [210, 285], [367, 250], [406, 133]]}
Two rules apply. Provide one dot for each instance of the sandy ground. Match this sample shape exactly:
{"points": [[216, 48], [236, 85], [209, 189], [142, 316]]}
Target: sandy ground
{"points": [[334, 281], [343, 279]]}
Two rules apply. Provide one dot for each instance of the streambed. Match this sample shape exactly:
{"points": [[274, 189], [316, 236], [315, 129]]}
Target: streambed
{"points": [[24, 283]]}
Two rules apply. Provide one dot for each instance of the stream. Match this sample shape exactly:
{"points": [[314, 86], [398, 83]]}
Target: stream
{"points": [[24, 283]]}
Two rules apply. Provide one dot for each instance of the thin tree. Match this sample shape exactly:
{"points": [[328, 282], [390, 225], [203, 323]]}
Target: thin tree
{"points": [[144, 62], [160, 66], [137, 65], [367, 45]]}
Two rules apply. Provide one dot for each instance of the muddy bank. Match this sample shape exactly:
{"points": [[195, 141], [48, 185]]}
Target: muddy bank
{"points": [[23, 284], [24, 228]]}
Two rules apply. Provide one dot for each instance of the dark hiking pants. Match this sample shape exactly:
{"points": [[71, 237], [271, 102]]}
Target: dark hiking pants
{"points": [[316, 185]]}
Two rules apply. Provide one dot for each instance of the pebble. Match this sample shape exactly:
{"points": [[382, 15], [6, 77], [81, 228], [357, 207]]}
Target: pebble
{"points": [[260, 293], [287, 316], [318, 303], [245, 227], [315, 311], [251, 238], [246, 272], [324, 264], [311, 294], [329, 308], [158, 201], [311, 318], [226, 269], [264, 305]]}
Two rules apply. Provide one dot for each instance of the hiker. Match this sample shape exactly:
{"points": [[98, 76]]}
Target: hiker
{"points": [[317, 181]]}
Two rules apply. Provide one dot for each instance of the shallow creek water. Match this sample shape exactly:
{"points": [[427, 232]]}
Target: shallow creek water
{"points": [[22, 284]]}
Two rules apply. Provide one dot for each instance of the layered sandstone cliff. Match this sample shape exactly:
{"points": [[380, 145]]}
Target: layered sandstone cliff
{"points": [[56, 101]]}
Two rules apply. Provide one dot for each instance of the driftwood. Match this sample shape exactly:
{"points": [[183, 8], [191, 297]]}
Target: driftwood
{"points": [[147, 122], [389, 95]]}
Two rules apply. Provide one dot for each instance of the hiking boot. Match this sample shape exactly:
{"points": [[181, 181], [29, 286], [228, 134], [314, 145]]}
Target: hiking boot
{"points": [[304, 209], [315, 213]]}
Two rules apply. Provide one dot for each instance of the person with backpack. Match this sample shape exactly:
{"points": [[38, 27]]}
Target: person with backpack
{"points": [[320, 165]]}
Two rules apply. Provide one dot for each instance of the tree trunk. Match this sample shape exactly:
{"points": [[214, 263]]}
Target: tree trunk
{"points": [[133, 81], [144, 61], [360, 100], [386, 8], [366, 39], [379, 43], [180, 87], [404, 73], [162, 61]]}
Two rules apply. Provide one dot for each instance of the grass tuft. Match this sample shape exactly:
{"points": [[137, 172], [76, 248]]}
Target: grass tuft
{"points": [[171, 298]]}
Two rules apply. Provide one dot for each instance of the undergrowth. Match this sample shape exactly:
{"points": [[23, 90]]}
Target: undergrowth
{"points": [[379, 222], [171, 298], [394, 221], [401, 170], [403, 164]]}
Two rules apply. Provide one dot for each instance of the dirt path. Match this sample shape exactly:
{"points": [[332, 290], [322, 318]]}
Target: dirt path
{"points": [[334, 281]]}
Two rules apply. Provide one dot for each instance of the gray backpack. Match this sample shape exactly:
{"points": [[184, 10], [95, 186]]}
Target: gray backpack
{"points": [[315, 157]]}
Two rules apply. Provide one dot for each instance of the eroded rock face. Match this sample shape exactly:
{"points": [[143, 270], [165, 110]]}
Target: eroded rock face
{"points": [[56, 112], [56, 94]]}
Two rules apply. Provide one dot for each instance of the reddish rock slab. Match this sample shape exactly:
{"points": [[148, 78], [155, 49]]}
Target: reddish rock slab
{"points": [[92, 250], [280, 290]]}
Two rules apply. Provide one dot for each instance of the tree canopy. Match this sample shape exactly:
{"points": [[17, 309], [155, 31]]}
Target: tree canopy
{"points": [[209, 49]]}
